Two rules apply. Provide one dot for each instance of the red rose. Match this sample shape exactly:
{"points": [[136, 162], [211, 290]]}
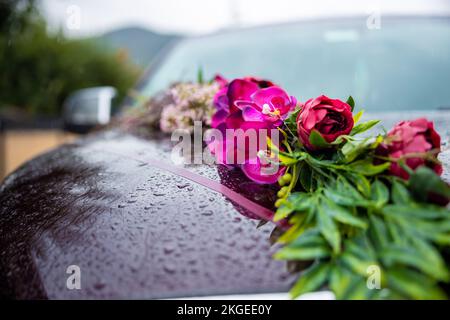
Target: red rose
{"points": [[330, 117], [409, 137]]}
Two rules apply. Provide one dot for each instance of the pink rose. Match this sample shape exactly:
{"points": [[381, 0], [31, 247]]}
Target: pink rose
{"points": [[411, 137], [330, 117]]}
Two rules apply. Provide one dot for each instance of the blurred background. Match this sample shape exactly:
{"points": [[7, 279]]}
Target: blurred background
{"points": [[51, 49]]}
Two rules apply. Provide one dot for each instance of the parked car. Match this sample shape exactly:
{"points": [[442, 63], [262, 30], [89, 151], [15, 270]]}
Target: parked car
{"points": [[113, 210]]}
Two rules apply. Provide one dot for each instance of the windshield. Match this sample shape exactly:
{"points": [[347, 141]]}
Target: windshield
{"points": [[403, 65]]}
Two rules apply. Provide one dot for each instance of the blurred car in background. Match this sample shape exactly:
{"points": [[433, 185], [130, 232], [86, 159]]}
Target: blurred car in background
{"points": [[138, 231]]}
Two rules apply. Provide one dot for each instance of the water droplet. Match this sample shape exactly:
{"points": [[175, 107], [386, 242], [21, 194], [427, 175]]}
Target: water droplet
{"points": [[99, 286], [169, 268], [169, 248]]}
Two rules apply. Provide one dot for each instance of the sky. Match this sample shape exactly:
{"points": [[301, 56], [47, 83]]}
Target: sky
{"points": [[80, 18]]}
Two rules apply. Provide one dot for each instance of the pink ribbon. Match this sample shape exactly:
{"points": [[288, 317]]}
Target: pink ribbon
{"points": [[253, 207]]}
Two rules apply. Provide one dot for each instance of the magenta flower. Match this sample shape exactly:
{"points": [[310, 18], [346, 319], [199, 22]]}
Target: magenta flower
{"points": [[222, 81], [267, 105], [262, 171], [249, 104]]}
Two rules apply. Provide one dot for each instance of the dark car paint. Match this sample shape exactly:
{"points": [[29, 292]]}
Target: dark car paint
{"points": [[134, 230], [137, 231]]}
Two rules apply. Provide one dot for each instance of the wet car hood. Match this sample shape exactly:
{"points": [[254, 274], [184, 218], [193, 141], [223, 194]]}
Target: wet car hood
{"points": [[133, 229]]}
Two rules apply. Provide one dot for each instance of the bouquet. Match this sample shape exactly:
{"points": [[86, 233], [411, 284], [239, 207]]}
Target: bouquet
{"points": [[364, 215]]}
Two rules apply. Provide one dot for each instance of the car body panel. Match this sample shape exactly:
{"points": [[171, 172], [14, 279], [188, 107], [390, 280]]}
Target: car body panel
{"points": [[134, 230]]}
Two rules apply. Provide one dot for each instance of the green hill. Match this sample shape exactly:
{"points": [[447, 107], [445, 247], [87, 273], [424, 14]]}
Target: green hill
{"points": [[141, 44]]}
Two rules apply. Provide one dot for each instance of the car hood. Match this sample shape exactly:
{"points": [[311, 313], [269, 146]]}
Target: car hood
{"points": [[133, 229]]}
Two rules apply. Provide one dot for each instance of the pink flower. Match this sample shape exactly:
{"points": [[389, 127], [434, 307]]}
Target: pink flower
{"points": [[221, 80], [330, 117], [262, 171], [411, 137], [267, 105], [233, 104]]}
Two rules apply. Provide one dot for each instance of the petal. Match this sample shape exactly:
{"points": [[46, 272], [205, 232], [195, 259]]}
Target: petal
{"points": [[251, 114], [314, 117], [240, 90], [263, 96], [262, 174], [242, 104], [221, 99], [218, 118]]}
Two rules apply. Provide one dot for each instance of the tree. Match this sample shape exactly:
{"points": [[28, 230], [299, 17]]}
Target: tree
{"points": [[39, 69]]}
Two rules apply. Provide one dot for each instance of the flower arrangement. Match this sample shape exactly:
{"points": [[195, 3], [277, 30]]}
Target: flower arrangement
{"points": [[363, 211], [353, 204]]}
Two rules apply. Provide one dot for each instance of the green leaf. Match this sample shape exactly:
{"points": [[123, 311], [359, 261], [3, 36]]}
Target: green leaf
{"points": [[380, 193], [430, 254], [306, 178], [361, 183], [303, 253], [346, 197], [329, 229], [407, 256], [355, 263], [341, 280], [400, 194], [351, 102], [295, 231], [378, 232], [311, 280], [395, 232], [297, 201], [425, 181], [316, 139], [343, 215], [357, 116], [367, 168], [359, 290], [364, 126], [413, 285], [291, 121], [353, 149], [200, 78], [310, 237], [417, 211]]}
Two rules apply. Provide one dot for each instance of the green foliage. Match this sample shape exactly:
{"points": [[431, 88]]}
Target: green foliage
{"points": [[351, 102], [362, 127], [347, 218], [317, 140], [38, 70]]}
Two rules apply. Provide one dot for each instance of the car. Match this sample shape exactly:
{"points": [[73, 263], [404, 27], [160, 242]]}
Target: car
{"points": [[109, 217]]}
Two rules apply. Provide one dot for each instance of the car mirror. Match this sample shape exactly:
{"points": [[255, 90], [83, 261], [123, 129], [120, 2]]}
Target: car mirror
{"points": [[87, 108]]}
